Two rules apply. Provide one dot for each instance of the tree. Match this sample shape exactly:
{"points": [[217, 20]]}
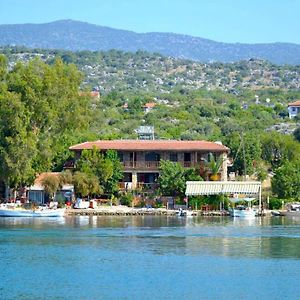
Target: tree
{"points": [[297, 134], [111, 185], [65, 177], [278, 148], [286, 181], [214, 166], [51, 184], [86, 184], [246, 151], [17, 145], [106, 167], [41, 115], [173, 177]]}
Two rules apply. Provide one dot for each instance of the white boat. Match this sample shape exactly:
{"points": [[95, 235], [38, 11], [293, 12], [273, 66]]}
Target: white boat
{"points": [[6, 211], [243, 212], [186, 213]]}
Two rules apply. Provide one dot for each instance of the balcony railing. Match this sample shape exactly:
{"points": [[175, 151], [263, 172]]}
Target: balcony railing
{"points": [[153, 165], [140, 185], [141, 165]]}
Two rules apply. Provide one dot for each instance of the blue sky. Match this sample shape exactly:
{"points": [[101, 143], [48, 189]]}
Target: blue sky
{"points": [[245, 21]]}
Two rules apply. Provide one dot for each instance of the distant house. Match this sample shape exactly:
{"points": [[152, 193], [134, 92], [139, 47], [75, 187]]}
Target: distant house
{"points": [[125, 106], [93, 94], [149, 106], [294, 109]]}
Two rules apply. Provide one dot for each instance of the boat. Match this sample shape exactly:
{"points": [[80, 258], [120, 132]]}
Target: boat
{"points": [[275, 213], [11, 211], [186, 213], [243, 212], [293, 211]]}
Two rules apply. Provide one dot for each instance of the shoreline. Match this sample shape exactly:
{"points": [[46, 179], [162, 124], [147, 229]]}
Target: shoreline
{"points": [[128, 211]]}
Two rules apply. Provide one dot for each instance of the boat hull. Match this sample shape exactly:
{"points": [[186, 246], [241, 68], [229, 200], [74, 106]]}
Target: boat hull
{"points": [[243, 213], [290, 213], [5, 212]]}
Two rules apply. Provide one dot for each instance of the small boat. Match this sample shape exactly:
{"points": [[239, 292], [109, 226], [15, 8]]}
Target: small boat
{"points": [[6, 211], [293, 211], [186, 213], [276, 213], [243, 212]]}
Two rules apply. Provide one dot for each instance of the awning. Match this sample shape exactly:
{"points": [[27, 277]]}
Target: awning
{"points": [[194, 188]]}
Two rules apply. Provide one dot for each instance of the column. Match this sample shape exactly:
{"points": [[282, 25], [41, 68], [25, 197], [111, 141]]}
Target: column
{"points": [[134, 180], [224, 167]]}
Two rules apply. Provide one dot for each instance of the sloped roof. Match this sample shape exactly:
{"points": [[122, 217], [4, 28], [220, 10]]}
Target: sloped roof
{"points": [[296, 103], [222, 187], [38, 182], [150, 105], [152, 145]]}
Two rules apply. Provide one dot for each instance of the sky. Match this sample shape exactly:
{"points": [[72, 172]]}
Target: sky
{"points": [[243, 21]]}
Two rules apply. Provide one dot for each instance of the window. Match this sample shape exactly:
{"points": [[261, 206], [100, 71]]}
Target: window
{"points": [[187, 156], [173, 156], [152, 156]]}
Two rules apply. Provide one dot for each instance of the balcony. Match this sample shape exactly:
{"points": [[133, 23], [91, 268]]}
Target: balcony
{"points": [[124, 186], [152, 165], [143, 165]]}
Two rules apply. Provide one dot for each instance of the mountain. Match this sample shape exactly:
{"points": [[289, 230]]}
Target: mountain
{"points": [[75, 35]]}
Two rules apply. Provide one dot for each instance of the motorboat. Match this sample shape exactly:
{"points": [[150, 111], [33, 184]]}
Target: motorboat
{"points": [[12, 211], [243, 212], [186, 213], [293, 211], [275, 213]]}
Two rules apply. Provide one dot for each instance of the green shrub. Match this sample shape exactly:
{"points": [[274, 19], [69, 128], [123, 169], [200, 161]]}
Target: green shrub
{"points": [[126, 199], [275, 203]]}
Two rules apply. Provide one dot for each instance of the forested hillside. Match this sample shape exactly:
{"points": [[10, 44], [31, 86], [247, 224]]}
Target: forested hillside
{"points": [[45, 107], [74, 35], [124, 71]]}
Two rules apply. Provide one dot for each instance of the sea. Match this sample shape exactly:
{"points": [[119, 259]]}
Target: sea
{"points": [[149, 257]]}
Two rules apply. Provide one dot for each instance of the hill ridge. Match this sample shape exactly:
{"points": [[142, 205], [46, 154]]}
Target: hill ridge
{"points": [[76, 35]]}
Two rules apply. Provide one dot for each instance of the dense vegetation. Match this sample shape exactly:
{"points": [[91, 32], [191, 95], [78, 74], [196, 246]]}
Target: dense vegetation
{"points": [[124, 71], [42, 113]]}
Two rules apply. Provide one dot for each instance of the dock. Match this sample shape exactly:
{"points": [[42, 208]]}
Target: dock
{"points": [[127, 211]]}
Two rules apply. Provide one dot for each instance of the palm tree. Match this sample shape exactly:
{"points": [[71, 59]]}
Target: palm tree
{"points": [[214, 166]]}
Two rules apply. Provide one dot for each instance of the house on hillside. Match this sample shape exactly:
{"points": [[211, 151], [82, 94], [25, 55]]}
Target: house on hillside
{"points": [[93, 94], [294, 109], [149, 106], [141, 158]]}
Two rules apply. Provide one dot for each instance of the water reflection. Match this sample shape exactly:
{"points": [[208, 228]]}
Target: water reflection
{"points": [[225, 237]]}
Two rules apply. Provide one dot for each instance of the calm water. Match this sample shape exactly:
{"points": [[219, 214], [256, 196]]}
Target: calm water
{"points": [[149, 258]]}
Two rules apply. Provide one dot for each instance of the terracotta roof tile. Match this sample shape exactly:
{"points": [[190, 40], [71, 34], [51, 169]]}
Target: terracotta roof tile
{"points": [[296, 103], [39, 179], [152, 145], [149, 105]]}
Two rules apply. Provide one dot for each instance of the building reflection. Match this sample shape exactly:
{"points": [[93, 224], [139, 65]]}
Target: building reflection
{"points": [[216, 236]]}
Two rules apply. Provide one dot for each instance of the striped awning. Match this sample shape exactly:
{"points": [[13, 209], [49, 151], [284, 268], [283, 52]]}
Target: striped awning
{"points": [[194, 188]]}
